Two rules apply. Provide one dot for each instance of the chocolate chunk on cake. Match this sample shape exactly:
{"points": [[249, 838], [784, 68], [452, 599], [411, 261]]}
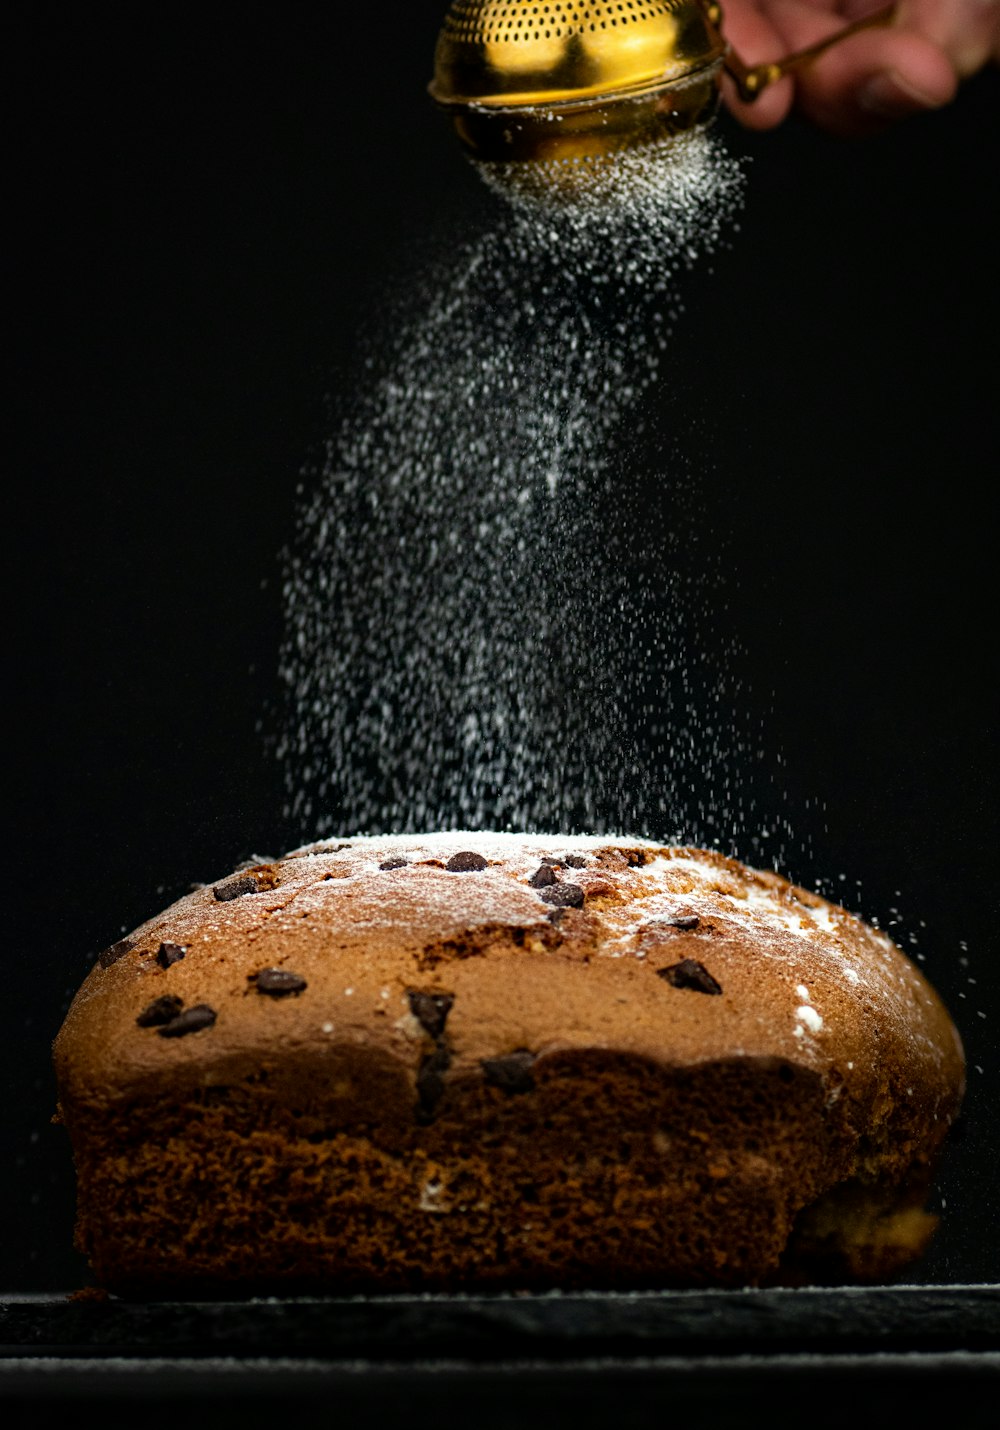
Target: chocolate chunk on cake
{"points": [[461, 1061]]}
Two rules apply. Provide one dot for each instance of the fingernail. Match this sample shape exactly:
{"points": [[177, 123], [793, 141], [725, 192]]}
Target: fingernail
{"points": [[890, 96]]}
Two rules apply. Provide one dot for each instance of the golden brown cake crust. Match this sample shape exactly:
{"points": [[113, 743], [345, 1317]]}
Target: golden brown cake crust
{"points": [[455, 1017]]}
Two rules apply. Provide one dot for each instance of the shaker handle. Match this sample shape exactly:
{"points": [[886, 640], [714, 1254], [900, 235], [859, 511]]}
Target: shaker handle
{"points": [[751, 79]]}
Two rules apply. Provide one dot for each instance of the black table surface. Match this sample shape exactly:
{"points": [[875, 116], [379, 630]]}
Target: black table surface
{"points": [[815, 1356]]}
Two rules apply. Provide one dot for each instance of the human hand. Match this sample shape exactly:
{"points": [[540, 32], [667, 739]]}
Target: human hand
{"points": [[878, 75]]}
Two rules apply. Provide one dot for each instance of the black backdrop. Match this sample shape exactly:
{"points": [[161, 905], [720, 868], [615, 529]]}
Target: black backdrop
{"points": [[208, 208]]}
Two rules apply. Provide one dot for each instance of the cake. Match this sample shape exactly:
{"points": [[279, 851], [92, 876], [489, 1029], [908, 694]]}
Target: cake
{"points": [[469, 1062]]}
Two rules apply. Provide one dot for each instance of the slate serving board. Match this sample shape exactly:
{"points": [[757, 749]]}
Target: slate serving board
{"points": [[810, 1357], [505, 1327]]}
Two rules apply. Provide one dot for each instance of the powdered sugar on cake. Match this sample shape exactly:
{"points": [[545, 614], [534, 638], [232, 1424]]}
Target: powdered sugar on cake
{"points": [[633, 889], [457, 894]]}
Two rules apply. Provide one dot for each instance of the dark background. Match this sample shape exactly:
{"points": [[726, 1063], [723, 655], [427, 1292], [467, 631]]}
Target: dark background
{"points": [[208, 211]]}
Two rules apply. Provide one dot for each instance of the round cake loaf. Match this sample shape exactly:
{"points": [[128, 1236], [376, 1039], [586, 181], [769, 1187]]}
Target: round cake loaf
{"points": [[462, 1061]]}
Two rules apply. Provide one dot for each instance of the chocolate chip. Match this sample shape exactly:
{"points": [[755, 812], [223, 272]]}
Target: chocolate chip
{"points": [[512, 1072], [684, 921], [160, 1011], [169, 953], [430, 1010], [236, 888], [689, 973], [564, 896], [192, 1020], [575, 861], [465, 862], [115, 952], [396, 862], [430, 1082], [278, 982], [543, 876]]}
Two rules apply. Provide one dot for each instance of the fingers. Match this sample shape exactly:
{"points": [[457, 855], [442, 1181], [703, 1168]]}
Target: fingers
{"points": [[966, 31], [874, 79], [870, 79]]}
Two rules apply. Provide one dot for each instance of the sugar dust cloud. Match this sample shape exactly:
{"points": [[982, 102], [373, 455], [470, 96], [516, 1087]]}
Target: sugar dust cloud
{"points": [[489, 623]]}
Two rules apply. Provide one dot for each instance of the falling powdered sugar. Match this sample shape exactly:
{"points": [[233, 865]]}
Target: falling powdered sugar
{"points": [[488, 621]]}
